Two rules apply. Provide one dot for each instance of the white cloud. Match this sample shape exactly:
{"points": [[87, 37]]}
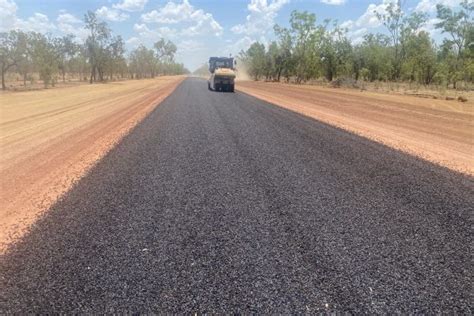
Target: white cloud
{"points": [[242, 44], [368, 20], [111, 14], [145, 34], [190, 45], [334, 2], [194, 21], [205, 23], [38, 22], [430, 5], [133, 41], [67, 18], [171, 13], [70, 24], [66, 23], [7, 15], [430, 27], [131, 5], [261, 18]]}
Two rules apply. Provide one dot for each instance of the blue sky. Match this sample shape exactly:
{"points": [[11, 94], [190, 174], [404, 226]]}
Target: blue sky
{"points": [[200, 28]]}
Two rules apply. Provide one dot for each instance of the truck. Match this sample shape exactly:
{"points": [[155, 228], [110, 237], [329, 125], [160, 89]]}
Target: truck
{"points": [[222, 74]]}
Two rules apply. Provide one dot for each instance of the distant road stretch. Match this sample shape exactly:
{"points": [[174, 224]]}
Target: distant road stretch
{"points": [[220, 202]]}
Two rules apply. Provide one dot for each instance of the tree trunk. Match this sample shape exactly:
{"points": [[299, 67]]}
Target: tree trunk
{"points": [[92, 73], [101, 74], [3, 79]]}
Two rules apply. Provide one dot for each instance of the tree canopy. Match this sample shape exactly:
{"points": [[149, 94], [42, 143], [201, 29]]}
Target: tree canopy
{"points": [[101, 57], [406, 52]]}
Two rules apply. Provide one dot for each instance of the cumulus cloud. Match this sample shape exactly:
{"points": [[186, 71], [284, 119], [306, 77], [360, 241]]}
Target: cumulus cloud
{"points": [[334, 2], [7, 15], [430, 5], [146, 34], [131, 5], [111, 14], [359, 27], [67, 18], [70, 24], [65, 23], [261, 17], [38, 22], [171, 13], [193, 21]]}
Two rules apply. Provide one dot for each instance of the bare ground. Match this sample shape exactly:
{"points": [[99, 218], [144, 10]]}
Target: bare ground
{"points": [[436, 130], [51, 138]]}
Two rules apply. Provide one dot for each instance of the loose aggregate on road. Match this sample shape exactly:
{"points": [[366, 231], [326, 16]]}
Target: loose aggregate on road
{"points": [[220, 202]]}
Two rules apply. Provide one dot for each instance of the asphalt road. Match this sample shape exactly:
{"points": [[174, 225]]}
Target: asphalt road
{"points": [[221, 202]]}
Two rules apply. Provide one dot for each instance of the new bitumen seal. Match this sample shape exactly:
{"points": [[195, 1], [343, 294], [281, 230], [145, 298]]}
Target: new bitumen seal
{"points": [[222, 203]]}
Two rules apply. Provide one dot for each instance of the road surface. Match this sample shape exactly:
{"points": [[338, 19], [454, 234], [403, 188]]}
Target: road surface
{"points": [[439, 131], [221, 202]]}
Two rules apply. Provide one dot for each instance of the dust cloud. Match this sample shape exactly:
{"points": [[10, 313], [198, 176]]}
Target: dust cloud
{"points": [[241, 72]]}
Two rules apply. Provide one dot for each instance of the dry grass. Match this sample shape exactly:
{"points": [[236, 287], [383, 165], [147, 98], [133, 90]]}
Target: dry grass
{"points": [[433, 91]]}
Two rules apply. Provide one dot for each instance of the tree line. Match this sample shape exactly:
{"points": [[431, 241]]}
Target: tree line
{"points": [[307, 50], [100, 58]]}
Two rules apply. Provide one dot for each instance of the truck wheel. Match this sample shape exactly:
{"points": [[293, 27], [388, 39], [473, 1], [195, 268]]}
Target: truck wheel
{"points": [[231, 88]]}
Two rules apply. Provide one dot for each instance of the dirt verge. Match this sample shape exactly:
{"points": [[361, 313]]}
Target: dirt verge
{"points": [[436, 130], [49, 139]]}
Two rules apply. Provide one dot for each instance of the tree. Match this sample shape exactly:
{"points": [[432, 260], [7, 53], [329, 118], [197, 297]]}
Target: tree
{"points": [[285, 55], [392, 19], [254, 57], [272, 60], [12, 51], [165, 49], [115, 51], [303, 27], [459, 26], [45, 57], [142, 62], [420, 58], [335, 52], [96, 45], [25, 64], [373, 56], [66, 49]]}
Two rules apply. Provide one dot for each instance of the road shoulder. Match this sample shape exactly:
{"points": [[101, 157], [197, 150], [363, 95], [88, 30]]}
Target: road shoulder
{"points": [[434, 130]]}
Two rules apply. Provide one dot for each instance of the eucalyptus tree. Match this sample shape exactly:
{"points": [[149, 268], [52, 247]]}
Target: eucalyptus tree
{"points": [[13, 51], [458, 47], [96, 45]]}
